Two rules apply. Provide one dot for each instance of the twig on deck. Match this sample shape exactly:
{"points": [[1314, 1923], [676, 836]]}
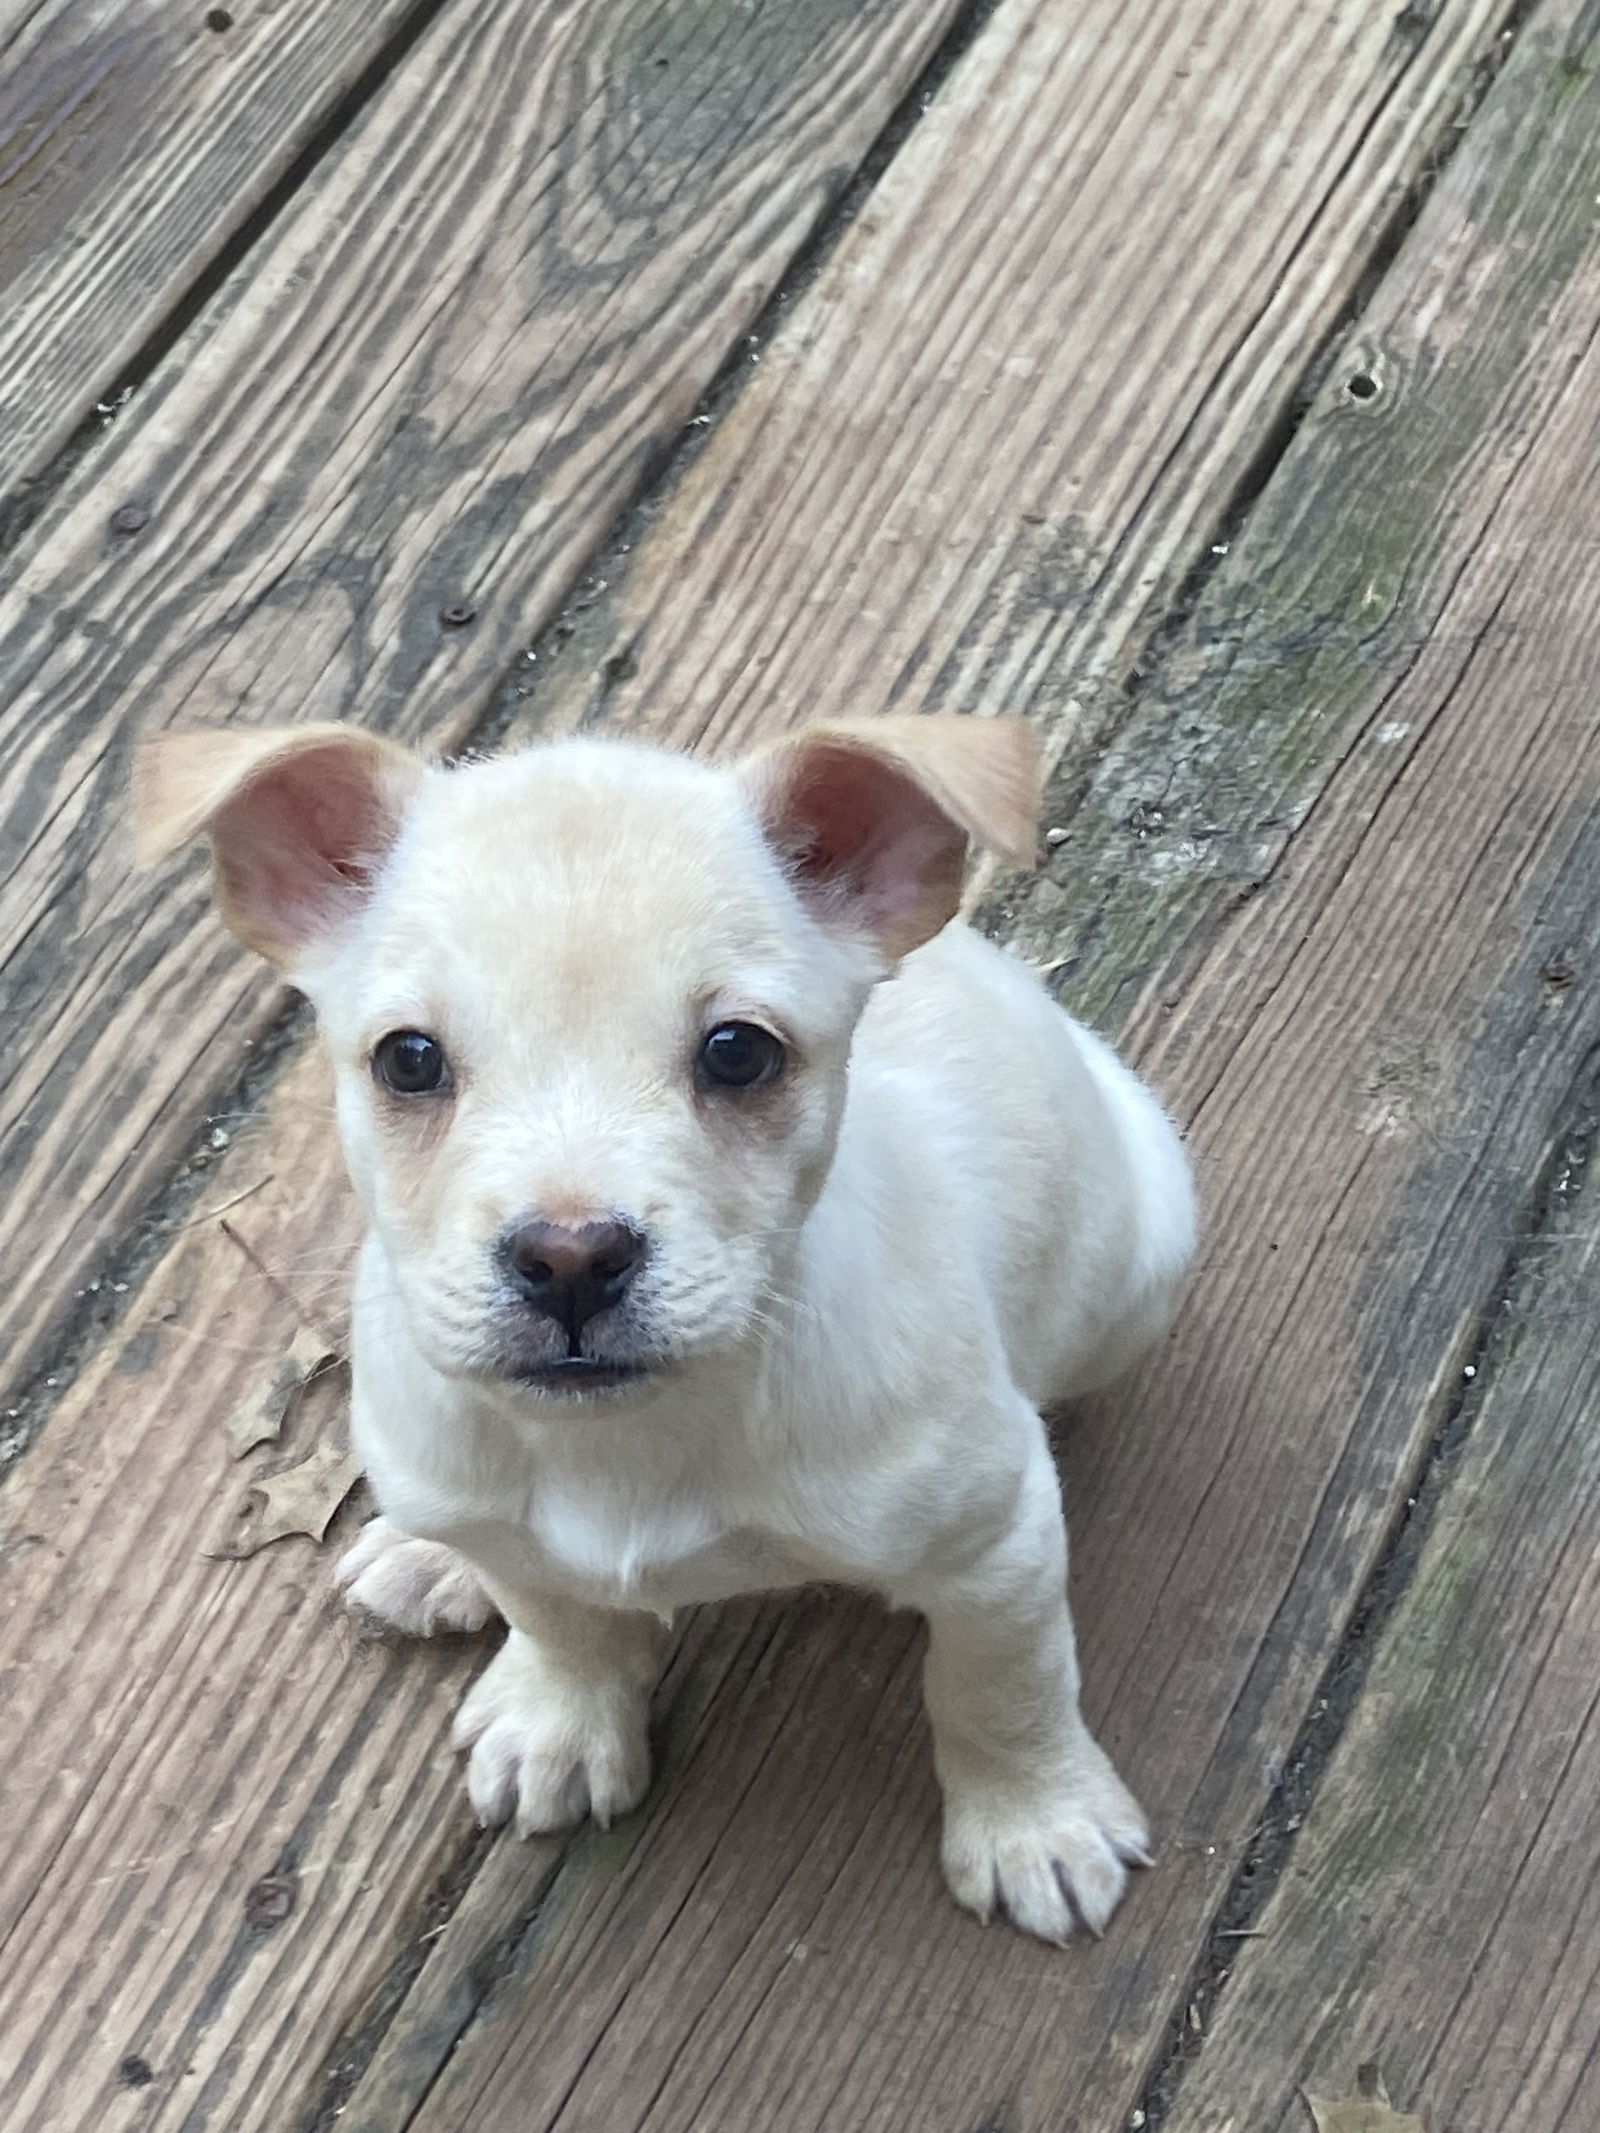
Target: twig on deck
{"points": [[194, 1221]]}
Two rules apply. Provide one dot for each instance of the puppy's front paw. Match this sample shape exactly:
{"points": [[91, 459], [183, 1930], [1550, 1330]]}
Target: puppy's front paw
{"points": [[418, 1587], [1051, 1857], [546, 1751]]}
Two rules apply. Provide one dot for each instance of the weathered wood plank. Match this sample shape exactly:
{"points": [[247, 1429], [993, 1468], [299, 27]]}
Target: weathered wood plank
{"points": [[1438, 1912], [1407, 609], [1029, 380], [440, 379], [820, 1684], [135, 140]]}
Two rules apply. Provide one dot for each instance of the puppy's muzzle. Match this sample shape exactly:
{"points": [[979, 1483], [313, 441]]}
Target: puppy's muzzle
{"points": [[570, 1274]]}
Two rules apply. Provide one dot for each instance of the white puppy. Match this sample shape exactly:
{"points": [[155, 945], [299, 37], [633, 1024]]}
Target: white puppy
{"points": [[701, 1258]]}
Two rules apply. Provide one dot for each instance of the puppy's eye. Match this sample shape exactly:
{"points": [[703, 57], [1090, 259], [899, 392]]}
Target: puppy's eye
{"points": [[741, 1055], [410, 1062]]}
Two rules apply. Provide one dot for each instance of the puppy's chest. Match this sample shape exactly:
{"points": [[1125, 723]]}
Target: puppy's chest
{"points": [[654, 1555]]}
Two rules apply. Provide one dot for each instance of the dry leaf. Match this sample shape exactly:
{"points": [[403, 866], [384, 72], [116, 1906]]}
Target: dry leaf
{"points": [[302, 1499], [258, 1419], [1367, 2111]]}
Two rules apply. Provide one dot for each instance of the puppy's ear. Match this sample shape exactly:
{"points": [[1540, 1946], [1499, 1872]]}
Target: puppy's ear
{"points": [[300, 819], [873, 817]]}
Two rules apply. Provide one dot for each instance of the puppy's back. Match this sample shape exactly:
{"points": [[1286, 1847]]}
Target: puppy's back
{"points": [[1061, 1167]]}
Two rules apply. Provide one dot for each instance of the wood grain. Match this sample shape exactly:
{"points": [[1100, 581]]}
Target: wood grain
{"points": [[768, 1945], [1399, 657], [445, 371], [134, 141], [1027, 385], [178, 1729], [1438, 1914]]}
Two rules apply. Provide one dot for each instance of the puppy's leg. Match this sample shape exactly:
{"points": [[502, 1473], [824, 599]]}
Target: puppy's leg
{"points": [[1036, 1821], [558, 1723], [418, 1587]]}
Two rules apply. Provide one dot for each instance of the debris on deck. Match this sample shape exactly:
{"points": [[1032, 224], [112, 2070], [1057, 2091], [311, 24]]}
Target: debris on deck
{"points": [[1218, 387]]}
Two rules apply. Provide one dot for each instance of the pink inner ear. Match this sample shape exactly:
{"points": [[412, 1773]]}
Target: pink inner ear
{"points": [[860, 828], [297, 848]]}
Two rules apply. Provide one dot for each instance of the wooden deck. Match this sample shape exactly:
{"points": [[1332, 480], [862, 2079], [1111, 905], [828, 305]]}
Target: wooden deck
{"points": [[1217, 381]]}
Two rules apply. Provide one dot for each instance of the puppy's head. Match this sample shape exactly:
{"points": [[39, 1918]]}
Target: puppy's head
{"points": [[590, 1007]]}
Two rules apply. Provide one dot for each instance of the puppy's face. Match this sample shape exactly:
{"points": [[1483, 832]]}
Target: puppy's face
{"points": [[590, 1008], [591, 1052]]}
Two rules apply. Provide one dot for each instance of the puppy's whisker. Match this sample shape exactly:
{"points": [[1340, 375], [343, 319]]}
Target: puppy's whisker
{"points": [[343, 1256]]}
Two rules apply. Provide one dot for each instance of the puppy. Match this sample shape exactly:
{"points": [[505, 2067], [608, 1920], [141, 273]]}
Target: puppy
{"points": [[733, 1212]]}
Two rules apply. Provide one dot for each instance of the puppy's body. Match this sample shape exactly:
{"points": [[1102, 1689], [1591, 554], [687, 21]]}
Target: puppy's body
{"points": [[733, 1213]]}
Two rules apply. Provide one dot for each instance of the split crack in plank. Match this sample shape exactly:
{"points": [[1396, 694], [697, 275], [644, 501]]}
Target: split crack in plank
{"points": [[441, 377]]}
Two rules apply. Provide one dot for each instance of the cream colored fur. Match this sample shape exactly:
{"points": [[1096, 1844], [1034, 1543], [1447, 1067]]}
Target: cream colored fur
{"points": [[953, 1208]]}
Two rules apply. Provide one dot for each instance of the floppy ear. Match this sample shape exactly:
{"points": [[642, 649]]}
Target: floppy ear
{"points": [[300, 819], [873, 816]]}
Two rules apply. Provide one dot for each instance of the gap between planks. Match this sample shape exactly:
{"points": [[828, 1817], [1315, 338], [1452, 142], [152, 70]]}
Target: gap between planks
{"points": [[194, 138], [1425, 1508], [1429, 1917]]}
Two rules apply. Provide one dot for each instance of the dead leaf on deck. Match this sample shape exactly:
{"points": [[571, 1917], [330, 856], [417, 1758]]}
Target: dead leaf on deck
{"points": [[258, 1418], [302, 1499], [1367, 2111]]}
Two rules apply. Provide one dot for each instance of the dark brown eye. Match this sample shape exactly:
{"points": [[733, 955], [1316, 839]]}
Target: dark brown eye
{"points": [[741, 1055], [410, 1062]]}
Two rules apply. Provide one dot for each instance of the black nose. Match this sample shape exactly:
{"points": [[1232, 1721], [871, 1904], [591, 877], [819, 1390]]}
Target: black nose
{"points": [[571, 1273]]}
